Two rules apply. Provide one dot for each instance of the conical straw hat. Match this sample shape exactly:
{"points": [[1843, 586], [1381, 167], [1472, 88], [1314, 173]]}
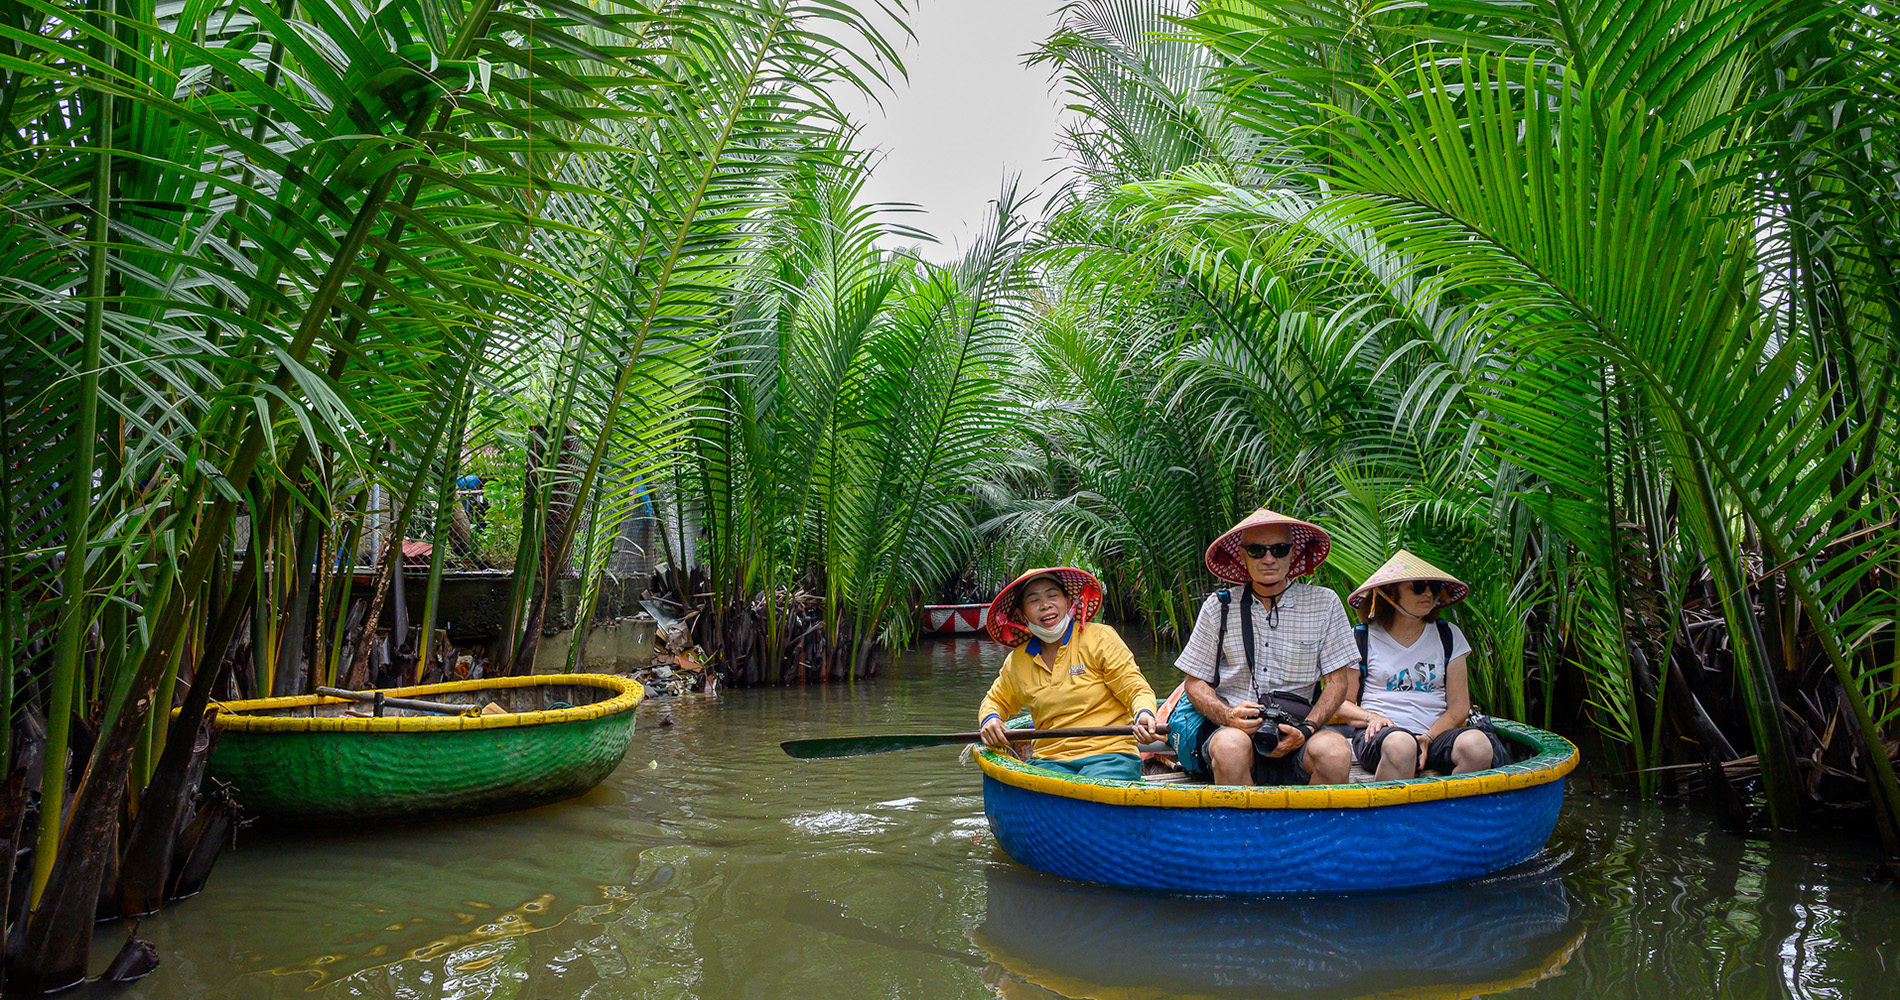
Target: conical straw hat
{"points": [[1005, 623], [1404, 568], [1310, 541]]}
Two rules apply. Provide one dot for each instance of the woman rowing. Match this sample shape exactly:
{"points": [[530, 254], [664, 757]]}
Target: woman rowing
{"points": [[1413, 705], [1068, 673]]}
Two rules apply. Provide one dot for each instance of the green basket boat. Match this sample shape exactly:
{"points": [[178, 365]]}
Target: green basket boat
{"points": [[303, 759]]}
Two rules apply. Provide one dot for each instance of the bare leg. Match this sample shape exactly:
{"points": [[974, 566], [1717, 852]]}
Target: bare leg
{"points": [[1328, 758], [1471, 751], [1230, 754], [1398, 756]]}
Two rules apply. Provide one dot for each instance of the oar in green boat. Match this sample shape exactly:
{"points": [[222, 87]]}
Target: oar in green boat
{"points": [[857, 746], [381, 701]]}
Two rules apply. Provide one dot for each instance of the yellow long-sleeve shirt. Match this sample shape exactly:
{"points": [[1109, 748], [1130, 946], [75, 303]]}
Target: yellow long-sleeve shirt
{"points": [[1095, 682]]}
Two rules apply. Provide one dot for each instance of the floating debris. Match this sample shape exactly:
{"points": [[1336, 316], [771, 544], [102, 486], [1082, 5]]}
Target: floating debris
{"points": [[679, 663], [665, 681]]}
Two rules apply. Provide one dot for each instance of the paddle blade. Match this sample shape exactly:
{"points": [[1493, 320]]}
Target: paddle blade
{"points": [[858, 746]]}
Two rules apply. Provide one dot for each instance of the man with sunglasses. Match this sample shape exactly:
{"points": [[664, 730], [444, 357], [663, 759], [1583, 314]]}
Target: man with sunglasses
{"points": [[1271, 643]]}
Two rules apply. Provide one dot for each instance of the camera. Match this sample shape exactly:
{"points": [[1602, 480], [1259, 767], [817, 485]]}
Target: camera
{"points": [[1266, 739]]}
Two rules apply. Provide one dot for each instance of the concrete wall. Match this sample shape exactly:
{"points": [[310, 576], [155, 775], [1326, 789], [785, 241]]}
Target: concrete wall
{"points": [[474, 605], [614, 647]]}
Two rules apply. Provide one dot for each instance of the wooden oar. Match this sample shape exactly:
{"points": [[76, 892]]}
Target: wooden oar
{"points": [[411, 704], [857, 746]]}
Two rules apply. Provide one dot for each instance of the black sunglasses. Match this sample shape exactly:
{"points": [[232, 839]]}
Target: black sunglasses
{"points": [[1279, 550], [1421, 586]]}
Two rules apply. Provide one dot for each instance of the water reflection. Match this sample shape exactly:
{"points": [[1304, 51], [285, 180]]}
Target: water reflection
{"points": [[1679, 909], [1083, 941]]}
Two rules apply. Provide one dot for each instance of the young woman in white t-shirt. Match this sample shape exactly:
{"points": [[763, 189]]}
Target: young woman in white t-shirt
{"points": [[1411, 711]]}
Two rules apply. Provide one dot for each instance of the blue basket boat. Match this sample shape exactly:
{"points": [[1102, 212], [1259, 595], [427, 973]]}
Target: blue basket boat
{"points": [[1284, 840]]}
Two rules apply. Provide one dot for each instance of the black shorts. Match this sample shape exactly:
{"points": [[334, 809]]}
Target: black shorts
{"points": [[1287, 770], [1437, 756]]}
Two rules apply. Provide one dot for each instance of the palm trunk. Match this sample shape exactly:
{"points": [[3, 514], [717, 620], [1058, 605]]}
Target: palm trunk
{"points": [[11, 616], [445, 499], [74, 620], [291, 657], [1752, 663]]}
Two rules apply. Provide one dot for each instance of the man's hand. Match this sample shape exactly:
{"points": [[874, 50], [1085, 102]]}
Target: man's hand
{"points": [[1244, 717], [1374, 723], [1291, 739], [1145, 727], [995, 733]]}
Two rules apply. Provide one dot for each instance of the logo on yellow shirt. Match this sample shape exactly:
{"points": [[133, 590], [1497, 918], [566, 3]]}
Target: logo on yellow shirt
{"points": [[1078, 670]]}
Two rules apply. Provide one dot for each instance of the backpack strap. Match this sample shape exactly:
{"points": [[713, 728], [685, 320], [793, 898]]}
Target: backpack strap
{"points": [[1363, 638], [1246, 638], [1444, 636], [1220, 641]]}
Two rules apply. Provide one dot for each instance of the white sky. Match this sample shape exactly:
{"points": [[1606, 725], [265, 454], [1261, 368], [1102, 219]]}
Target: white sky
{"points": [[969, 115]]}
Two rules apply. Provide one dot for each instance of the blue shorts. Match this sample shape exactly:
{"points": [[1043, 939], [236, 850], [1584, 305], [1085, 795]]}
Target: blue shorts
{"points": [[1118, 766]]}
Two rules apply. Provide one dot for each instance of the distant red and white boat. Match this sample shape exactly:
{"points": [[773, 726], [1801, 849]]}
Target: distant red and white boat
{"points": [[953, 619]]}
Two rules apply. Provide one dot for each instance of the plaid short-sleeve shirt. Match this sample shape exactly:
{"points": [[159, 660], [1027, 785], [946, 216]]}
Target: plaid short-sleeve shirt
{"points": [[1313, 638]]}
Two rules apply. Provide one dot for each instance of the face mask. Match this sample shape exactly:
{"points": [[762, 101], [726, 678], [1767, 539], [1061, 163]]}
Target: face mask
{"points": [[1052, 634]]}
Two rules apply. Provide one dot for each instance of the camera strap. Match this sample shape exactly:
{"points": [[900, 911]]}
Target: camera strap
{"points": [[1302, 702]]}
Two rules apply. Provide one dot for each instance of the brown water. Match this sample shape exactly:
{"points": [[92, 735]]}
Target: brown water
{"points": [[712, 866]]}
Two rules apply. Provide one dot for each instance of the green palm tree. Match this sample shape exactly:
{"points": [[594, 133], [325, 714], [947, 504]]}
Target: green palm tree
{"points": [[855, 403], [264, 261]]}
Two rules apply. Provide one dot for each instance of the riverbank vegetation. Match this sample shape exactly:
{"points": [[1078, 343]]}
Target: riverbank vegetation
{"points": [[1594, 304], [266, 267]]}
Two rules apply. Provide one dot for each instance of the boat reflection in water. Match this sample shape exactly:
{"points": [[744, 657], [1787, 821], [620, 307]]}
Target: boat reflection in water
{"points": [[1080, 940]]}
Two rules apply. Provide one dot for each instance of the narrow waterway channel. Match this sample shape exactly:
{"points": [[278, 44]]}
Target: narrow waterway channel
{"points": [[713, 866]]}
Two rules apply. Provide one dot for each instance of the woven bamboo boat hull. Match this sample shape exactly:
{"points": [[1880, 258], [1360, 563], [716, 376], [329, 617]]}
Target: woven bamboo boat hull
{"points": [[313, 767], [1280, 841]]}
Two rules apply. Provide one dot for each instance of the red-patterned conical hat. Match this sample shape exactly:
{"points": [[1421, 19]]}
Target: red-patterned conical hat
{"points": [[1311, 543], [1404, 568], [1005, 623]]}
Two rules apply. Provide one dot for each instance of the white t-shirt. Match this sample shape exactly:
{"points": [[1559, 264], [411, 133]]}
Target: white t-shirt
{"points": [[1407, 683]]}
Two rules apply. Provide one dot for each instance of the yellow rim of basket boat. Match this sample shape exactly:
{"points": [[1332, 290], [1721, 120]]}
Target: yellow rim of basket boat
{"points": [[1544, 768], [627, 694]]}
